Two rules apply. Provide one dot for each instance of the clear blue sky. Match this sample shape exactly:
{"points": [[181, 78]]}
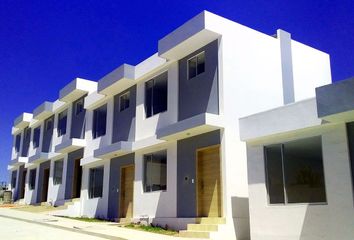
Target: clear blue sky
{"points": [[46, 44]]}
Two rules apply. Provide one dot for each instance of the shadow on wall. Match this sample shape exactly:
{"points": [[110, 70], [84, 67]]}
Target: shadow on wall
{"points": [[240, 216]]}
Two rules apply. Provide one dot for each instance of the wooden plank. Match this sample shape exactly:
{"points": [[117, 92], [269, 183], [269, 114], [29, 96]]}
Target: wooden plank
{"points": [[126, 192]]}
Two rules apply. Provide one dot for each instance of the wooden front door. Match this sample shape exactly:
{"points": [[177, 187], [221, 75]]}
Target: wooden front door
{"points": [[126, 191], [77, 179], [209, 182], [45, 185]]}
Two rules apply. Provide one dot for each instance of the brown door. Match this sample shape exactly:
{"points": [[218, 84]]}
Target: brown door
{"points": [[45, 184], [126, 192], [23, 184], [77, 179], [208, 182]]}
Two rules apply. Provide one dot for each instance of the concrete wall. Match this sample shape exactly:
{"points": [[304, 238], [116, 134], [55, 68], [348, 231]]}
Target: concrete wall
{"points": [[334, 220], [70, 165], [39, 183], [31, 195], [114, 183]]}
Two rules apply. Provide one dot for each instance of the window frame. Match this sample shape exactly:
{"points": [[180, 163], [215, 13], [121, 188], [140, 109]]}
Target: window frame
{"points": [[47, 121], [81, 102], [196, 68], [18, 142], [95, 121], [92, 184], [127, 93], [13, 179], [153, 80], [145, 171], [286, 203], [58, 178], [32, 179], [39, 137], [62, 132]]}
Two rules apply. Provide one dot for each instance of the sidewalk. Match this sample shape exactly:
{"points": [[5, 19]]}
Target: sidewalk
{"points": [[104, 230]]}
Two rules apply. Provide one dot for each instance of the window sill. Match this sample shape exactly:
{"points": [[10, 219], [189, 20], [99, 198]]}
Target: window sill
{"points": [[297, 204]]}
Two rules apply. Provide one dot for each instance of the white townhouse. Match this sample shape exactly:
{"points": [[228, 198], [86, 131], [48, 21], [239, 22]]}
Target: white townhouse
{"points": [[161, 140]]}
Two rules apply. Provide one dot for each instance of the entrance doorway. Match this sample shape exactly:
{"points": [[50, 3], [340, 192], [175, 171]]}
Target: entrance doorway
{"points": [[23, 184], [126, 191], [45, 185], [77, 179]]}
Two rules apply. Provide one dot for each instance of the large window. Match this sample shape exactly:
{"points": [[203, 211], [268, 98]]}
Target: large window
{"points": [[295, 172], [124, 100], [62, 119], [96, 182], [156, 95], [196, 65], [99, 121], [155, 171], [58, 172], [79, 106], [32, 179], [13, 179], [17, 142], [36, 137]]}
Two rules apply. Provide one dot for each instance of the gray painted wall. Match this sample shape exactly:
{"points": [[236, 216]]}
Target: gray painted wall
{"points": [[47, 135], [114, 183], [186, 167], [78, 122], [335, 98], [72, 156], [42, 166], [26, 141], [123, 122], [199, 94]]}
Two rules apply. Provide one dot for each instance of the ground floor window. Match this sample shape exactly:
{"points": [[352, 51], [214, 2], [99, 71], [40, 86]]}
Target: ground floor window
{"points": [[13, 179], [58, 172], [155, 171], [294, 172], [96, 182], [32, 179]]}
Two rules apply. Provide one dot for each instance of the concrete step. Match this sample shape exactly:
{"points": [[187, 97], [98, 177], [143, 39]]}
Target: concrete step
{"points": [[210, 220], [203, 227], [124, 220], [194, 234]]}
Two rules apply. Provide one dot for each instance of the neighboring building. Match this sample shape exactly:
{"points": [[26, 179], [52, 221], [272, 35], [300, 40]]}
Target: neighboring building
{"points": [[160, 140]]}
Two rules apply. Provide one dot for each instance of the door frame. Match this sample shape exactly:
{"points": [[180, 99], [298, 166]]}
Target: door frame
{"points": [[220, 178], [120, 189]]}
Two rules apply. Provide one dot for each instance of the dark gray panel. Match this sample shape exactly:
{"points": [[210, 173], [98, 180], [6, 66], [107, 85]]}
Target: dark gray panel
{"points": [[186, 170], [114, 183], [47, 134], [20, 179], [26, 141], [72, 156], [335, 98], [78, 121], [350, 132], [199, 94], [42, 166], [123, 121]]}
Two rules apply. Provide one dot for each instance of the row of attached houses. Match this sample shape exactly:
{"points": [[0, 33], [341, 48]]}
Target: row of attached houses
{"points": [[186, 139]]}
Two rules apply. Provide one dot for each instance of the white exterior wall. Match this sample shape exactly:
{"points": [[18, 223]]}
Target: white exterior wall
{"points": [[334, 220], [56, 193], [31, 195], [159, 203]]}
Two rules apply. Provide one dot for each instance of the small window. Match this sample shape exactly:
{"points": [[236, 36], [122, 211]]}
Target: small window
{"points": [[96, 182], [156, 95], [17, 142], [32, 179], [155, 171], [13, 179], [58, 172], [49, 124], [295, 172], [124, 101], [79, 106], [196, 65], [99, 121], [62, 121], [36, 137]]}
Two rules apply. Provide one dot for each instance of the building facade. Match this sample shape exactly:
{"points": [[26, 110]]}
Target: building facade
{"points": [[161, 140]]}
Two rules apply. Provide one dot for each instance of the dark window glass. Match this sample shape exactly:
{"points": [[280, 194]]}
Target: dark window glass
{"points": [[96, 182], [13, 179], [156, 95], [26, 141], [62, 121], [274, 174], [79, 106], [99, 121], [36, 137], [155, 171], [196, 65], [32, 179], [350, 133], [17, 142], [49, 124], [124, 101], [301, 176], [58, 172]]}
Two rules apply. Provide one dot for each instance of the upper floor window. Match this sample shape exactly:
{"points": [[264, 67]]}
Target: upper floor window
{"points": [[32, 179], [62, 120], [96, 182], [49, 124], [99, 121], [17, 142], [79, 106], [294, 172], [36, 137], [156, 95], [124, 100], [155, 171], [58, 172], [196, 65]]}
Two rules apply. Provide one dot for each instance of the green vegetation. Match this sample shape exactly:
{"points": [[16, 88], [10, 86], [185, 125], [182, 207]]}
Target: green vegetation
{"points": [[152, 228], [85, 219]]}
